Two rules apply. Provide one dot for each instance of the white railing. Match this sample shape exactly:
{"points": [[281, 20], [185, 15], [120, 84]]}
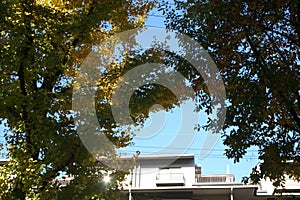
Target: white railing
{"points": [[215, 178], [170, 176], [174, 179]]}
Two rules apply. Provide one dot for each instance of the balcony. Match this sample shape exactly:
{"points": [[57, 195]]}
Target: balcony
{"points": [[169, 179], [215, 178]]}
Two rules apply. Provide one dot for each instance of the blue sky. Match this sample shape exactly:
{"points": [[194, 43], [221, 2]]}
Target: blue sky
{"points": [[155, 138], [163, 127]]}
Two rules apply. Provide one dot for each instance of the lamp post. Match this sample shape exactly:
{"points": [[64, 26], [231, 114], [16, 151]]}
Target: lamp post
{"points": [[135, 156]]}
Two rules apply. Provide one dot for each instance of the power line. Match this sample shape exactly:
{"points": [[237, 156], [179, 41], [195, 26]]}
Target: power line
{"points": [[160, 16], [153, 26], [208, 156], [178, 148]]}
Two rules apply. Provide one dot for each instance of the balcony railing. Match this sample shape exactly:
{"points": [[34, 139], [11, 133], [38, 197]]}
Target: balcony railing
{"points": [[170, 179], [215, 178]]}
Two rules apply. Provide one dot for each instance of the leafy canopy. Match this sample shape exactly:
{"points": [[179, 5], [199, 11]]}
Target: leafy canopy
{"points": [[255, 45], [42, 44]]}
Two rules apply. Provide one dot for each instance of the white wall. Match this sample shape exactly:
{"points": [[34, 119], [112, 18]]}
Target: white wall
{"points": [[144, 174]]}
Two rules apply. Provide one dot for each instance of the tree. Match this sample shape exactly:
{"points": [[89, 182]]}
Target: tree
{"points": [[43, 43], [255, 45]]}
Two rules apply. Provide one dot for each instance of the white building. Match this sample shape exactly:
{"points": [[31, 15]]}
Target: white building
{"points": [[291, 188], [176, 177]]}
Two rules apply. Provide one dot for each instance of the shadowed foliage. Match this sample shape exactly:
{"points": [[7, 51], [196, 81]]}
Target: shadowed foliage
{"points": [[255, 45]]}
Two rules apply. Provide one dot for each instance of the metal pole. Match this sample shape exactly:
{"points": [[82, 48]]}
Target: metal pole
{"points": [[130, 184], [131, 173]]}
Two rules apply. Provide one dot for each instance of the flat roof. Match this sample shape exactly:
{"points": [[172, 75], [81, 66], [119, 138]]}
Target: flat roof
{"points": [[149, 157], [160, 156], [180, 188], [166, 156]]}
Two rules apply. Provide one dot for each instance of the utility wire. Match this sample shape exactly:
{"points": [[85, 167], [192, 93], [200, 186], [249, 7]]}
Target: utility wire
{"points": [[177, 148], [160, 16], [208, 156], [153, 26]]}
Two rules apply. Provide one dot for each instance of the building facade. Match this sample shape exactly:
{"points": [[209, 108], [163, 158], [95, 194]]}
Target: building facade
{"points": [[176, 177]]}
